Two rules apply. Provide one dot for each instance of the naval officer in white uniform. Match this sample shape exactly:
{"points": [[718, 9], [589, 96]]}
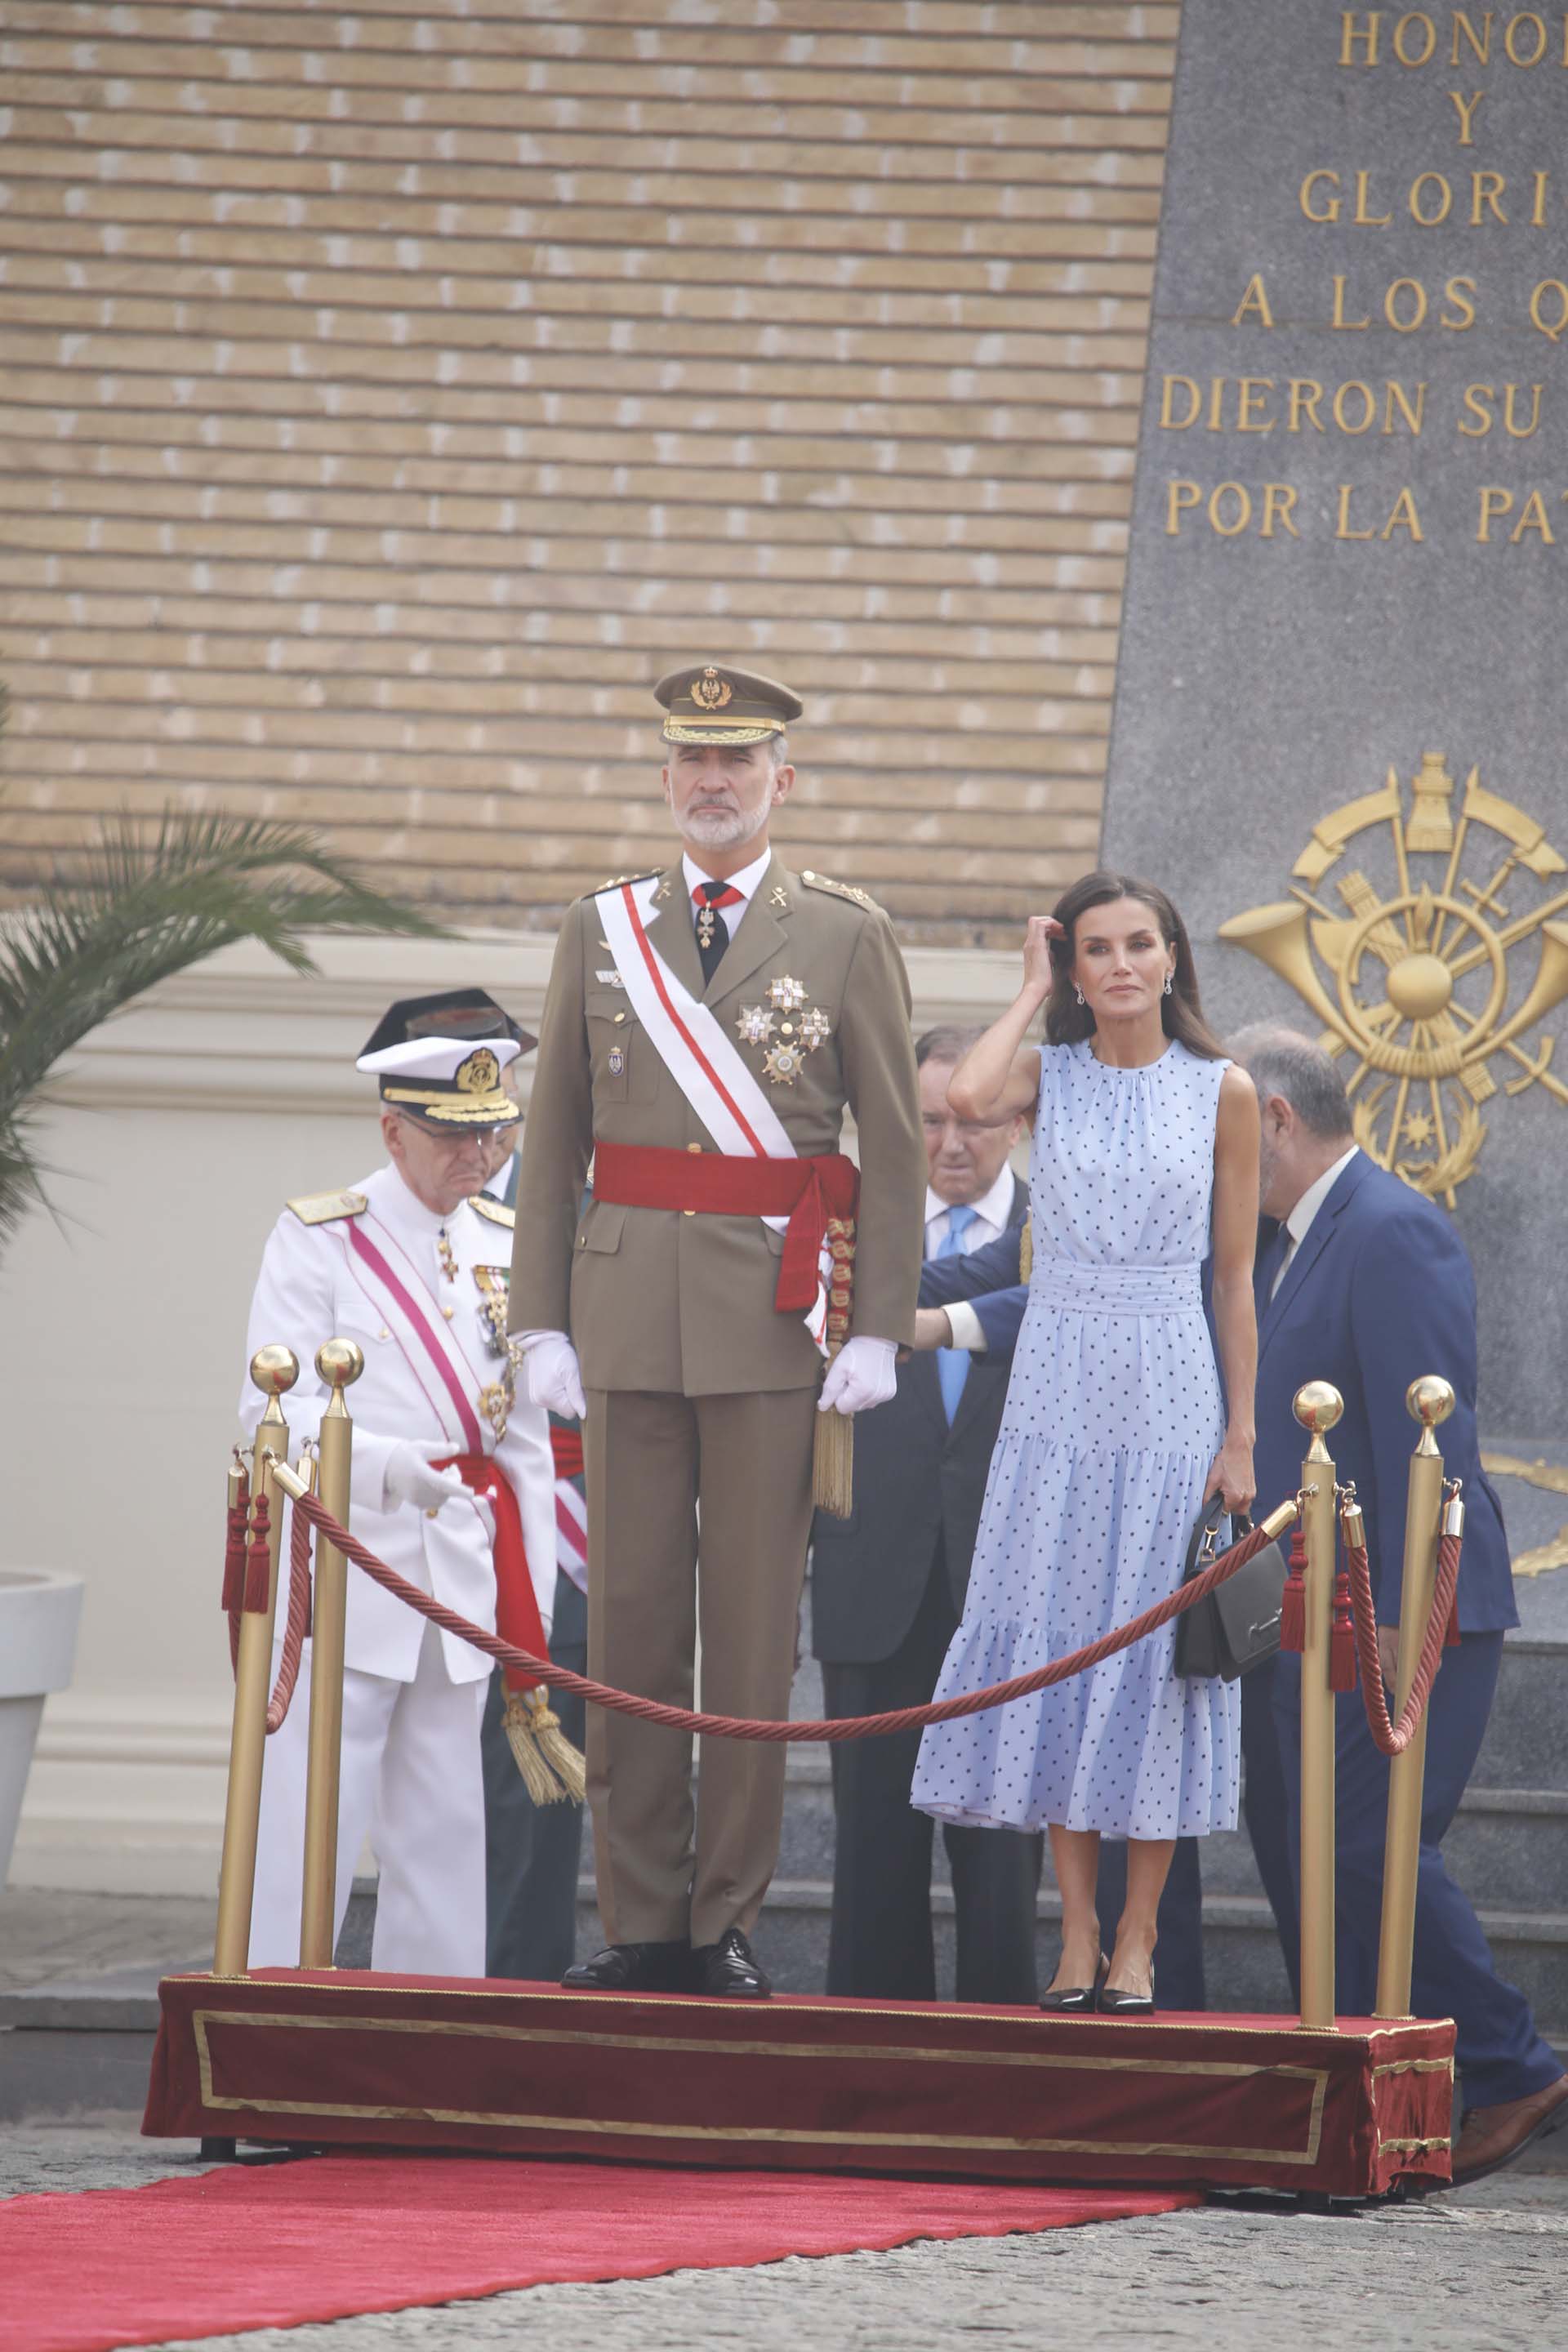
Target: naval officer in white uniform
{"points": [[411, 1263]]}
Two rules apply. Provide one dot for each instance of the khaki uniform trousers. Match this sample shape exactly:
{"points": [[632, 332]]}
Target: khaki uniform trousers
{"points": [[652, 1460]]}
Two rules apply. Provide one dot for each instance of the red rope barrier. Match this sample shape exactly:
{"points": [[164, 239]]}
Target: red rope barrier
{"points": [[728, 1726], [296, 1626], [1393, 1739]]}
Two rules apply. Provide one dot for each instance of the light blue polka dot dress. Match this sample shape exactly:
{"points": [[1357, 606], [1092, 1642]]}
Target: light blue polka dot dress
{"points": [[1112, 1420]]}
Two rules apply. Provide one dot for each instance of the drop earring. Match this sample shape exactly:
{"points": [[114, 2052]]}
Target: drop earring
{"points": [[1169, 977], [1079, 993]]}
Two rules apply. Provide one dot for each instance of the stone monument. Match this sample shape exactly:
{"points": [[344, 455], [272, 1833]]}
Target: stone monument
{"points": [[1340, 726]]}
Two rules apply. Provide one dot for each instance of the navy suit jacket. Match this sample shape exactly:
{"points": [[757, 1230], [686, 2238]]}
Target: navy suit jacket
{"points": [[1380, 1292], [988, 1276]]}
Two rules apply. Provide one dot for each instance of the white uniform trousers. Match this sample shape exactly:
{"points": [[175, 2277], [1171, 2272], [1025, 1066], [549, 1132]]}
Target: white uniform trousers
{"points": [[412, 1777]]}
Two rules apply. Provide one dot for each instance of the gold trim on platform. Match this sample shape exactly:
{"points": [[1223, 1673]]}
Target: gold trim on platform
{"points": [[787, 2134]]}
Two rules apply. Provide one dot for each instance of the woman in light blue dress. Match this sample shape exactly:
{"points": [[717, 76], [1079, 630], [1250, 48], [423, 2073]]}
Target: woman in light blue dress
{"points": [[1114, 1436]]}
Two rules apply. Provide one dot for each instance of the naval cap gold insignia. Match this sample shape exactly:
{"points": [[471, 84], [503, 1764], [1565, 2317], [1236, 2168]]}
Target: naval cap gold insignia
{"points": [[478, 1074]]}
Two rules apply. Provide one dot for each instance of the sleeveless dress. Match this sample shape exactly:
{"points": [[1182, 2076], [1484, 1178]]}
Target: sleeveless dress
{"points": [[1113, 1417]]}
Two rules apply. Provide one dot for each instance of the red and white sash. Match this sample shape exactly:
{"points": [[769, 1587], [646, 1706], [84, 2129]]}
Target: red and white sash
{"points": [[396, 1290], [700, 1055]]}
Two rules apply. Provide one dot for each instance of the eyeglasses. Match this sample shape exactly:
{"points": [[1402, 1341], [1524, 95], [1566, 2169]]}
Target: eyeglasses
{"points": [[452, 1138]]}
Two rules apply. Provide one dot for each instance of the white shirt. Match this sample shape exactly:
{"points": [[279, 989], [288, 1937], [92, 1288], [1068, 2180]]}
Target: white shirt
{"points": [[992, 1212], [1297, 1224], [746, 882]]}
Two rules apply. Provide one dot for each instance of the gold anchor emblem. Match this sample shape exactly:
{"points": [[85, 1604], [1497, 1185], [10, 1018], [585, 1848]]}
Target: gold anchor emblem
{"points": [[1440, 945]]}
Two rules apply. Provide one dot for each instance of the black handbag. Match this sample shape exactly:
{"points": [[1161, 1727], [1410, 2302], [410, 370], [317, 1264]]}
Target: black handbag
{"points": [[1238, 1626]]}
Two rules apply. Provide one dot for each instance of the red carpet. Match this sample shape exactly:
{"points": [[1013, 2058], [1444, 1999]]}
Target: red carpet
{"points": [[276, 2245]]}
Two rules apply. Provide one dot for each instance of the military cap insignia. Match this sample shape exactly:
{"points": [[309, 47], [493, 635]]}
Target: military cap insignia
{"points": [[327, 1208], [755, 1025], [478, 1073], [496, 1211], [712, 692], [786, 993], [839, 889]]}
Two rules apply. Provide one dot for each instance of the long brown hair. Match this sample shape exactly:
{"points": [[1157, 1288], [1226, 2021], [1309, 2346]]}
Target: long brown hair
{"points": [[1181, 1013]]}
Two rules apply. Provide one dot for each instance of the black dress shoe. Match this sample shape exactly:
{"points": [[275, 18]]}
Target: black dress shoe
{"points": [[728, 1969], [1113, 2002], [632, 1967], [1076, 2001]]}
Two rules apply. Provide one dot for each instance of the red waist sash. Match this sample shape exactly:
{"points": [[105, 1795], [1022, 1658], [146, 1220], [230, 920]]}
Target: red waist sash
{"points": [[808, 1190], [518, 1620]]}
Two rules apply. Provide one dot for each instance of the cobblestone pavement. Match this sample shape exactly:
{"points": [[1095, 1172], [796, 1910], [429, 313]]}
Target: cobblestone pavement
{"points": [[1476, 2272]]}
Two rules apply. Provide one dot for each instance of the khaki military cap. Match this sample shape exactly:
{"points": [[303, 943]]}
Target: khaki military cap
{"points": [[712, 703]]}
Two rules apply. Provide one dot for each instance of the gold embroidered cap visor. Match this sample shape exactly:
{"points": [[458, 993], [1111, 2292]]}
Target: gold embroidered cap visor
{"points": [[712, 703], [446, 1082]]}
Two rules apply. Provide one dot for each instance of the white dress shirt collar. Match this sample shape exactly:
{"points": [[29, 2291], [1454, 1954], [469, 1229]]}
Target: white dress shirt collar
{"points": [[746, 881], [1298, 1223], [404, 1211]]}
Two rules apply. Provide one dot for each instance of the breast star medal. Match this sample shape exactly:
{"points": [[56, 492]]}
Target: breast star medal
{"points": [[755, 1025], [815, 1028], [782, 1062], [786, 995]]}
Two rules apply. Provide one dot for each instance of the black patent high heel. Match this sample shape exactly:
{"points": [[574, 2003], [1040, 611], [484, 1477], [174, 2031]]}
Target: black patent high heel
{"points": [[1113, 2002], [1077, 2001]]}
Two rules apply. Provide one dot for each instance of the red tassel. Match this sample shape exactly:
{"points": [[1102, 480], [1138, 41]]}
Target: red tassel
{"points": [[1342, 1638], [258, 1564], [1293, 1605], [234, 1555]]}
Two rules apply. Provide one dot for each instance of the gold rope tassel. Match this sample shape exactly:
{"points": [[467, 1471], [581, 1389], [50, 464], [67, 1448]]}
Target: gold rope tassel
{"points": [[553, 1771], [833, 1445], [833, 1463]]}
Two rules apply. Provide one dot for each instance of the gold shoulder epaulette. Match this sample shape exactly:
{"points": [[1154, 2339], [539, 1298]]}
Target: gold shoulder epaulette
{"points": [[614, 881], [326, 1208], [839, 889], [496, 1211]]}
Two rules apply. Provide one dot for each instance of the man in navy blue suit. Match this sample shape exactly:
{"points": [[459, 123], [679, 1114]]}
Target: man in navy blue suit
{"points": [[1366, 1284]]}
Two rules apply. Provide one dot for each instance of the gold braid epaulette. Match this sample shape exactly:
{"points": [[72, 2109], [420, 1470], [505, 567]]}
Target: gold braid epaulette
{"points": [[841, 890]]}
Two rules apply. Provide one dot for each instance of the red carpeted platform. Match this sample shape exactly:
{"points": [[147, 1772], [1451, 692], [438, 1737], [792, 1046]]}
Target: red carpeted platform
{"points": [[277, 2245], [803, 2082]]}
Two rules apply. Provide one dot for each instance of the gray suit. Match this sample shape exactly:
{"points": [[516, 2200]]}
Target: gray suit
{"points": [[888, 1586]]}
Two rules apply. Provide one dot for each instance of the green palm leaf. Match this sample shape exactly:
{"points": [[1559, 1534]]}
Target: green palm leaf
{"points": [[148, 903]]}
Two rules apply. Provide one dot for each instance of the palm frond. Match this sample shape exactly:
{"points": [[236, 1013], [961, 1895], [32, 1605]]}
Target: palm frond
{"points": [[148, 902]]}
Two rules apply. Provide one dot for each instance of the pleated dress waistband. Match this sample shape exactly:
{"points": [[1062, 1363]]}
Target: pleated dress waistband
{"points": [[1081, 1289]]}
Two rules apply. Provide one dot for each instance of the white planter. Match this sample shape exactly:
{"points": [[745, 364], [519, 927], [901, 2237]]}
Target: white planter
{"points": [[39, 1614]]}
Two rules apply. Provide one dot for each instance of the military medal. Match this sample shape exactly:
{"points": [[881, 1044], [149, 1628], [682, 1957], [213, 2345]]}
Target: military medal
{"points": [[815, 1028], [496, 1398], [755, 1025], [786, 994], [706, 919], [782, 1062], [447, 1257]]}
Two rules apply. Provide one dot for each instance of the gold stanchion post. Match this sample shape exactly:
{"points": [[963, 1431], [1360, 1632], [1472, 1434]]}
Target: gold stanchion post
{"points": [[274, 1371], [340, 1364], [1318, 1407], [1430, 1402]]}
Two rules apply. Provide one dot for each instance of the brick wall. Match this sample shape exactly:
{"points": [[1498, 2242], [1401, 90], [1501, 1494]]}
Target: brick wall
{"points": [[390, 392]]}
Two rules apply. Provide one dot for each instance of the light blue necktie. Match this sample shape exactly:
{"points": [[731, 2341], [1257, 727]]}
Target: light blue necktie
{"points": [[952, 1363]]}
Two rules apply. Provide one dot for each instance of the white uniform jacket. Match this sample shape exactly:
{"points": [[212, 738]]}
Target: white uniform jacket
{"points": [[381, 1278]]}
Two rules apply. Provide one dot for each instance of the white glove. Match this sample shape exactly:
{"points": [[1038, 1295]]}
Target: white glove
{"points": [[862, 1374], [410, 1479], [555, 1377]]}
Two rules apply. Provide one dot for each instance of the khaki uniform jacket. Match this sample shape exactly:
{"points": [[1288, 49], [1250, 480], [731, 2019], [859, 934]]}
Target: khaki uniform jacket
{"points": [[654, 1298]]}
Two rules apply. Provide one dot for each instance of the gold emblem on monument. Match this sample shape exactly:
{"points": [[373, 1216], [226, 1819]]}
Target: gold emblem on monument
{"points": [[1418, 973]]}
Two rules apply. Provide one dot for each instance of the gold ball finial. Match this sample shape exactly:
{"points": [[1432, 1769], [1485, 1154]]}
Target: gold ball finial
{"points": [[1318, 1405], [1430, 1400], [339, 1362], [274, 1370]]}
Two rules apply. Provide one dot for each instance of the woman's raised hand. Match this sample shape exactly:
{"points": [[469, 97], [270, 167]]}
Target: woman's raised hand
{"points": [[1038, 970]]}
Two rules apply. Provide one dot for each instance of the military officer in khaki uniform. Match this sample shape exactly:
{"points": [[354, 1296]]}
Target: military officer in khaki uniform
{"points": [[706, 1029]]}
